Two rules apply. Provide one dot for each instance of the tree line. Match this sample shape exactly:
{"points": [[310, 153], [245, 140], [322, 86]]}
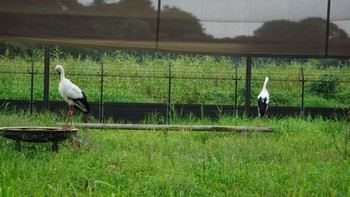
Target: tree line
{"points": [[137, 20]]}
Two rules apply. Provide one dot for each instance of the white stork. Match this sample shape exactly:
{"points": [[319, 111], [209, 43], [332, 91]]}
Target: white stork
{"points": [[72, 94], [263, 100]]}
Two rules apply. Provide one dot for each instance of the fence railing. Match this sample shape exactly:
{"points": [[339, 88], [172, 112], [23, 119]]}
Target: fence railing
{"points": [[163, 113], [103, 110]]}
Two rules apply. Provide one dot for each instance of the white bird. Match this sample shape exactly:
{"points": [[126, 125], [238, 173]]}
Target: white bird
{"points": [[263, 100], [72, 94]]}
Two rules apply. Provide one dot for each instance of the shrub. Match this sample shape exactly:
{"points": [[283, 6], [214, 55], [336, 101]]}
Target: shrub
{"points": [[326, 86], [216, 97], [281, 99], [326, 63]]}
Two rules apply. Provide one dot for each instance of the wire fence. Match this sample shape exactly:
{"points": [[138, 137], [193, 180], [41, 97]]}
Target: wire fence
{"points": [[167, 86], [31, 80]]}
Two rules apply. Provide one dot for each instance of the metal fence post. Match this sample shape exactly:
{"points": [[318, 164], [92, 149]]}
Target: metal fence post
{"points": [[46, 76], [168, 109], [327, 27], [236, 89], [101, 106], [302, 87], [248, 78], [158, 22], [302, 90], [31, 88]]}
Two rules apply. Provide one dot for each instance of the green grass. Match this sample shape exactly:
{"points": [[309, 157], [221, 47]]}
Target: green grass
{"points": [[196, 79], [298, 159]]}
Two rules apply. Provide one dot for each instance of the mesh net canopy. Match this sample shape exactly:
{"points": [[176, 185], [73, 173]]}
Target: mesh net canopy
{"points": [[228, 27]]}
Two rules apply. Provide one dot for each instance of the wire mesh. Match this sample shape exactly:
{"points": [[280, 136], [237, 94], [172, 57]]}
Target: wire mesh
{"points": [[204, 80], [297, 28]]}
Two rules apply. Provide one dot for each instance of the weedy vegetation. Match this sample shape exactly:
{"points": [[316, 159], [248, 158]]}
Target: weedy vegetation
{"points": [[195, 79], [299, 159], [304, 156]]}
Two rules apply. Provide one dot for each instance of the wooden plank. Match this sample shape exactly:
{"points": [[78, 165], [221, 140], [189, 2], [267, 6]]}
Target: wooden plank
{"points": [[171, 127]]}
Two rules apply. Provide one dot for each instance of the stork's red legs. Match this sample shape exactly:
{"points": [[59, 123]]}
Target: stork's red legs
{"points": [[264, 120], [69, 118]]}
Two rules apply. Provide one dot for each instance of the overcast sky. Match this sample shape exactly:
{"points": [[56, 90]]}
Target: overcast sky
{"points": [[230, 18]]}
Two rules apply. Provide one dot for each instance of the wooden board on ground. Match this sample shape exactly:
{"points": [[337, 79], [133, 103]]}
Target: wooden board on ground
{"points": [[171, 127]]}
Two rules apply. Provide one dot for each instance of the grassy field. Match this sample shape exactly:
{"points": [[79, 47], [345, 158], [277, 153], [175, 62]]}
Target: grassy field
{"points": [[196, 79], [303, 157], [298, 159]]}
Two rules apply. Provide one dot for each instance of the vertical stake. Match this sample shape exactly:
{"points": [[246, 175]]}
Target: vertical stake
{"points": [[158, 23], [168, 110], [302, 89], [18, 146], [101, 110], [54, 147], [46, 76], [31, 88], [327, 27], [248, 78], [236, 90]]}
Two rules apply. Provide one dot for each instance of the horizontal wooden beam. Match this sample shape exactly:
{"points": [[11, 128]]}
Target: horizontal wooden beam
{"points": [[171, 127]]}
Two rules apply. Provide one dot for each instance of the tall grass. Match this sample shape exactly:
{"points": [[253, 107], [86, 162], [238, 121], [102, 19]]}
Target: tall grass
{"points": [[298, 159], [195, 79]]}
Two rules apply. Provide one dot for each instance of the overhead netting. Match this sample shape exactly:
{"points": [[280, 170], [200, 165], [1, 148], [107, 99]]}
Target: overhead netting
{"points": [[229, 27]]}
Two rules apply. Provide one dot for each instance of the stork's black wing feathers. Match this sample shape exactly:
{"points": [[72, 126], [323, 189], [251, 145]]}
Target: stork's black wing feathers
{"points": [[82, 104], [262, 106]]}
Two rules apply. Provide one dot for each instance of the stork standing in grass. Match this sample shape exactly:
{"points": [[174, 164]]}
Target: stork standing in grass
{"points": [[72, 94], [263, 100]]}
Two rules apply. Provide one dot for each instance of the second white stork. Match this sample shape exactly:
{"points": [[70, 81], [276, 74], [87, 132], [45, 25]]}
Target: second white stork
{"points": [[72, 94], [263, 100]]}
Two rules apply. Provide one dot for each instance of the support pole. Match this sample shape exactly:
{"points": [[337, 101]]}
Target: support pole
{"points": [[46, 76], [236, 90], [248, 78], [168, 109], [18, 146], [327, 27], [31, 88], [101, 109], [302, 91], [55, 147], [158, 22]]}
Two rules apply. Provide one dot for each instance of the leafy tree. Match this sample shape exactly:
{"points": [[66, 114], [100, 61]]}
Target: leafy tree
{"points": [[276, 30], [18, 48], [136, 29], [309, 30], [176, 22]]}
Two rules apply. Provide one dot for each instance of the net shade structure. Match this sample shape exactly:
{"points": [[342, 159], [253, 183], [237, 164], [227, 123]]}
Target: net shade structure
{"points": [[301, 28]]}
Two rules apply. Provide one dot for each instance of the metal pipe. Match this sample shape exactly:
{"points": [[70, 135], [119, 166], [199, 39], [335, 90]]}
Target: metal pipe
{"points": [[327, 27], [158, 22], [31, 88], [168, 110], [248, 78], [101, 110], [302, 88], [236, 88], [46, 76]]}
